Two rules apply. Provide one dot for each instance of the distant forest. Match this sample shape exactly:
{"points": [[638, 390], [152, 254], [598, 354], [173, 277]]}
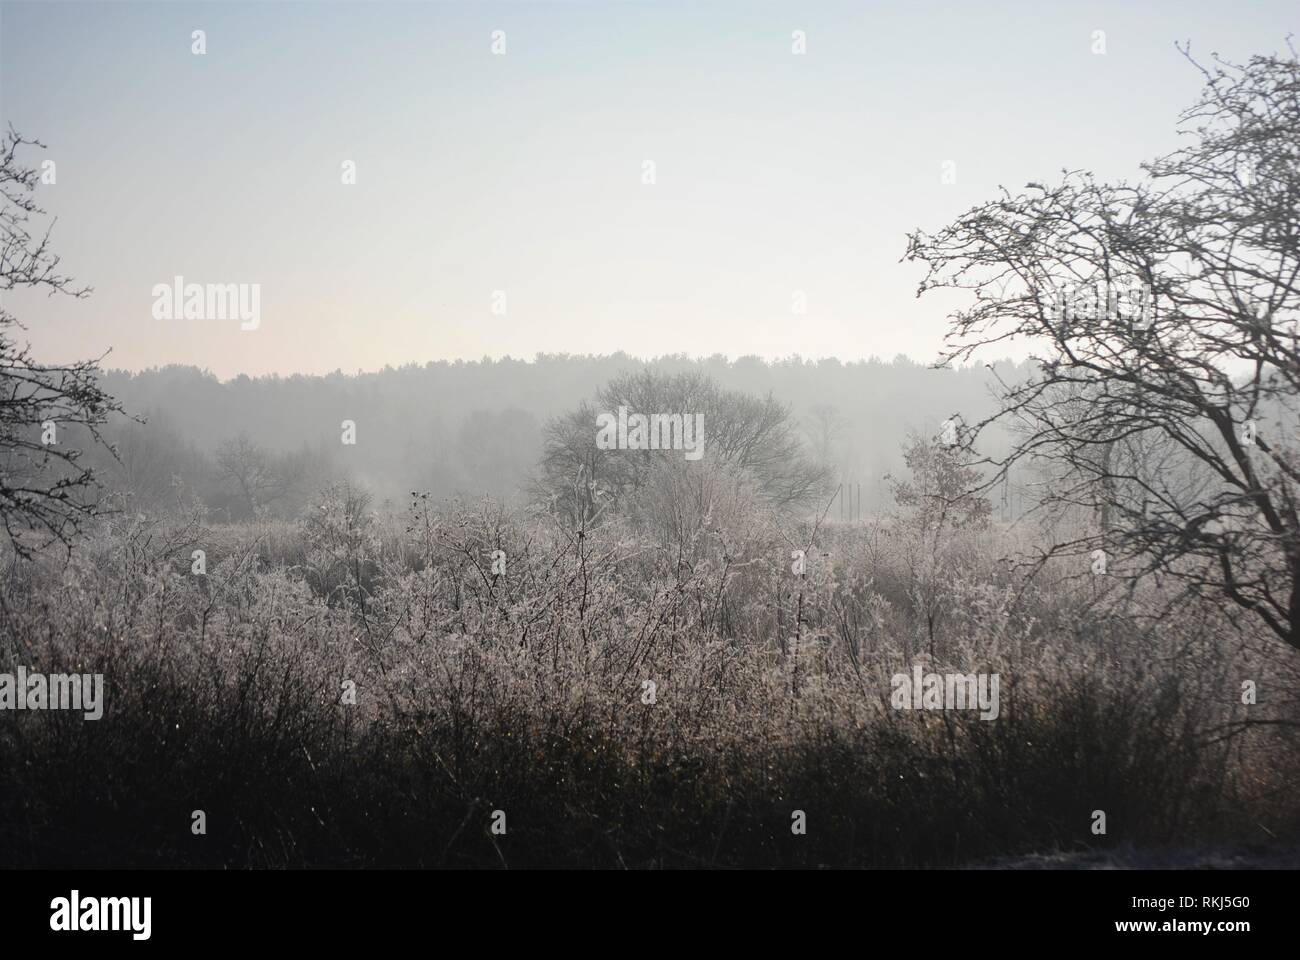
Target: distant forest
{"points": [[474, 429]]}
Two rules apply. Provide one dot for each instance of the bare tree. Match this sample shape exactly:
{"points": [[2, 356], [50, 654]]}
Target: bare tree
{"points": [[153, 462], [825, 427], [45, 409], [755, 435], [259, 479], [1164, 316]]}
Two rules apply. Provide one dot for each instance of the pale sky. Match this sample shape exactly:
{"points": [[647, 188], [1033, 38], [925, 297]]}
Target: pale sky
{"points": [[523, 172]]}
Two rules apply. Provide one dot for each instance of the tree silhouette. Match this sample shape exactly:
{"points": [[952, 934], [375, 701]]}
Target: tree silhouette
{"points": [[1164, 315], [45, 491]]}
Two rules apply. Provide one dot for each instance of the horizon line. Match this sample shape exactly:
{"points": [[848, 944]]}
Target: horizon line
{"points": [[540, 357]]}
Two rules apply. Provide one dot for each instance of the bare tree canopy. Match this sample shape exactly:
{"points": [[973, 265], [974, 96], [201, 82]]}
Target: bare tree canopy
{"points": [[756, 435], [1166, 313], [258, 478], [44, 489]]}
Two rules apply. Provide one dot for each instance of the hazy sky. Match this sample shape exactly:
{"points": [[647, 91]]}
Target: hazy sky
{"points": [[523, 172]]}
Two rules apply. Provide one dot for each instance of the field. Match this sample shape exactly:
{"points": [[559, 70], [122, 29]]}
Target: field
{"points": [[458, 684]]}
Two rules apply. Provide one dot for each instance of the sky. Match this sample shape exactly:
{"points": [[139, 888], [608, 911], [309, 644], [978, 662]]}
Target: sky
{"points": [[501, 203]]}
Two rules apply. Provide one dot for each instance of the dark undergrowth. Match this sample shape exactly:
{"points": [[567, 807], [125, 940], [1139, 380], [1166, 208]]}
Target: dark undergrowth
{"points": [[519, 700]]}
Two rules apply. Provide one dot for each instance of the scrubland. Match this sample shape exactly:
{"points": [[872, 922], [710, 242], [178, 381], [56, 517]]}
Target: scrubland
{"points": [[518, 682]]}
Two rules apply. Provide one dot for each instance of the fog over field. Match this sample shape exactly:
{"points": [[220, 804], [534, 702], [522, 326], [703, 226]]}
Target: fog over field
{"points": [[473, 429]]}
